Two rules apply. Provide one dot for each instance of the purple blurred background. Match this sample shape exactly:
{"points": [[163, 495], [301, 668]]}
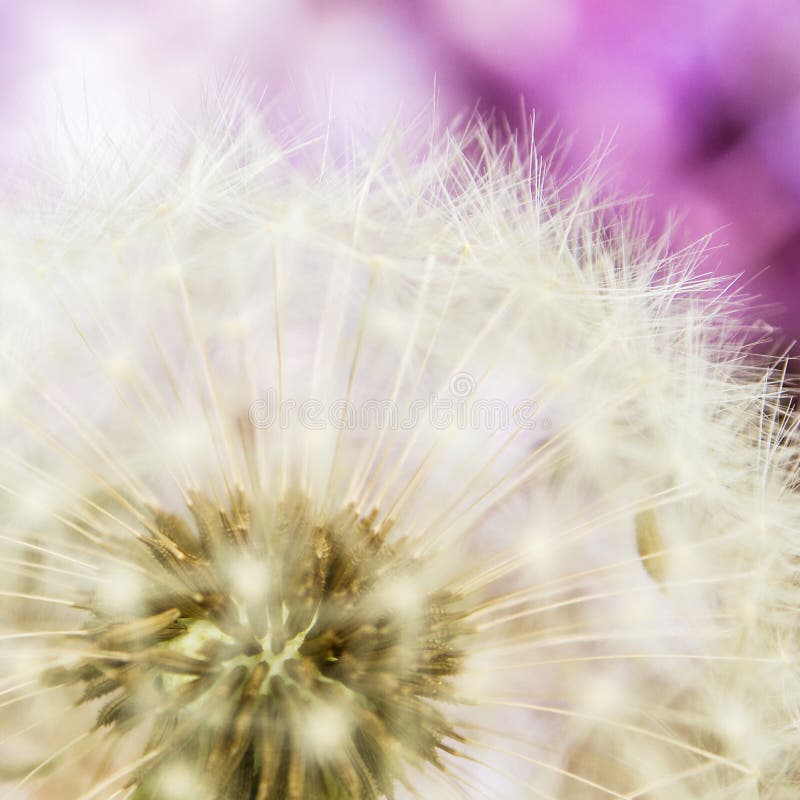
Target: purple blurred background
{"points": [[701, 98]]}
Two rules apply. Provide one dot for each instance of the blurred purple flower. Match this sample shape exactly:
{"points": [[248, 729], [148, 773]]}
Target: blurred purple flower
{"points": [[701, 98]]}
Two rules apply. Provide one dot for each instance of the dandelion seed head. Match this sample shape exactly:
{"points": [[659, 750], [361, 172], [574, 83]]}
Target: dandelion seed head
{"points": [[233, 579], [315, 663]]}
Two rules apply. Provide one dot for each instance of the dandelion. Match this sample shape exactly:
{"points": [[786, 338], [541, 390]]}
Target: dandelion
{"points": [[397, 475]]}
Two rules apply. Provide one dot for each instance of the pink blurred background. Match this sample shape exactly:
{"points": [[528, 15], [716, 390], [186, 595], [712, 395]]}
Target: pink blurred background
{"points": [[700, 98]]}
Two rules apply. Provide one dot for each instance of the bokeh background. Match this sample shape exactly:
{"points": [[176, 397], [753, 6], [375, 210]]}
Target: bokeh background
{"points": [[700, 99]]}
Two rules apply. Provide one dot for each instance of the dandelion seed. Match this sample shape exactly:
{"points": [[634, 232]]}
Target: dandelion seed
{"points": [[408, 478]]}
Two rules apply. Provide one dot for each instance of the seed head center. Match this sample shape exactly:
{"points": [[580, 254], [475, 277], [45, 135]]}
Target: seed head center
{"points": [[274, 650]]}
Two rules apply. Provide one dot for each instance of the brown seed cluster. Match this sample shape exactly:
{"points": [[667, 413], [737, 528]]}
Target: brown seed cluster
{"points": [[310, 684]]}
